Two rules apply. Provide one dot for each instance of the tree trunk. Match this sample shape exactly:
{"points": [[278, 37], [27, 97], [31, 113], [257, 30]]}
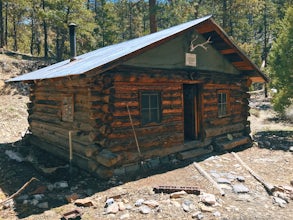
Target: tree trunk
{"points": [[32, 32], [1, 26], [46, 49], [15, 44], [152, 14], [6, 25]]}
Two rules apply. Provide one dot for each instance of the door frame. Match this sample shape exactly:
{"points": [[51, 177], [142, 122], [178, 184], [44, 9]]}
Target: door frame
{"points": [[191, 108]]}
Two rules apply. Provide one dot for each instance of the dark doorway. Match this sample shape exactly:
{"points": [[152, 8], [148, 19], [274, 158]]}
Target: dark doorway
{"points": [[191, 118]]}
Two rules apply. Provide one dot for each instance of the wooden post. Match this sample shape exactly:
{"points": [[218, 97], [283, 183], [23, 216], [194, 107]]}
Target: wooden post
{"points": [[269, 188], [206, 175]]}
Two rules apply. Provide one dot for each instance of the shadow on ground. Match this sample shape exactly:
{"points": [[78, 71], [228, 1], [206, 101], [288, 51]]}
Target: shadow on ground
{"points": [[51, 190], [274, 140]]}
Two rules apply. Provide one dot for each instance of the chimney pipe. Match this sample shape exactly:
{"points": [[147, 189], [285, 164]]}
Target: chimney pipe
{"points": [[72, 36]]}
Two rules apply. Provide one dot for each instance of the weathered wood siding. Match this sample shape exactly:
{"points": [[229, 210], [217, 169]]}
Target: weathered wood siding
{"points": [[102, 136]]}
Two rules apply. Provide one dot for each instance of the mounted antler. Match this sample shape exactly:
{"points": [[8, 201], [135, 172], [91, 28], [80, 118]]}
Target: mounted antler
{"points": [[192, 47]]}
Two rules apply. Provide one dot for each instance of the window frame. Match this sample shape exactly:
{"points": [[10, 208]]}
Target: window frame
{"points": [[149, 108], [221, 104]]}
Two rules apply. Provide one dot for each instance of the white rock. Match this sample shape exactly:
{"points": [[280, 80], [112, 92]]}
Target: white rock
{"points": [[121, 206], [43, 205], [14, 155], [39, 196], [139, 202], [198, 215], [281, 202], [109, 202], [240, 188], [176, 195], [61, 184], [144, 209], [125, 216], [112, 208], [207, 198], [151, 203], [217, 214]]}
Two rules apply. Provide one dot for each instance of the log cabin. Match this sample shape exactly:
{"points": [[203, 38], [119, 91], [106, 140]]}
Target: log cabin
{"points": [[180, 92]]}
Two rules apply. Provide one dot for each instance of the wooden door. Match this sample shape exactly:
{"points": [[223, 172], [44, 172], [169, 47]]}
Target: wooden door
{"points": [[191, 119]]}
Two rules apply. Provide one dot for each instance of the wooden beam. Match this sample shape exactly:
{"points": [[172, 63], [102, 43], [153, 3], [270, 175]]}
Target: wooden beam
{"points": [[228, 51]]}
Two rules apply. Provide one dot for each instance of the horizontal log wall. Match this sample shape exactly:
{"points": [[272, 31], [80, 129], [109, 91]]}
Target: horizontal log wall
{"points": [[101, 128], [235, 122], [151, 138]]}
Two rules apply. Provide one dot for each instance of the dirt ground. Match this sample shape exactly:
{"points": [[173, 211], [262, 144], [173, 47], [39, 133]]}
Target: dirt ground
{"points": [[49, 196]]}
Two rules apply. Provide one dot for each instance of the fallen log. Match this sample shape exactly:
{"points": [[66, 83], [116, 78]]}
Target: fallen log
{"points": [[269, 188], [207, 176], [19, 191]]}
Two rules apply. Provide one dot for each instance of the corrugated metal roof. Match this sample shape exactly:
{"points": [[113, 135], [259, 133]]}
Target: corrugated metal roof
{"points": [[105, 55]]}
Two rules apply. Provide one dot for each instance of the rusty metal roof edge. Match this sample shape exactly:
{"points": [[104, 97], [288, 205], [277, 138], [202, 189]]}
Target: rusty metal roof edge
{"points": [[97, 58]]}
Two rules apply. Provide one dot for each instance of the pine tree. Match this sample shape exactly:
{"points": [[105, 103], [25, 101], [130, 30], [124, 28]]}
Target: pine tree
{"points": [[281, 65]]}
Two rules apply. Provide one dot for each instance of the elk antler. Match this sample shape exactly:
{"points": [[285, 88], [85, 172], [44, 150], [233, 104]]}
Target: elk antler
{"points": [[202, 45]]}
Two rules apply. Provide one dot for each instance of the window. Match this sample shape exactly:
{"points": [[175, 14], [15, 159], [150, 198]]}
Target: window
{"points": [[150, 107], [67, 109], [223, 104]]}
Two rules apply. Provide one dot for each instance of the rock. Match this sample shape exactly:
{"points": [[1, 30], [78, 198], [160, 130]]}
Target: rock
{"points": [[139, 202], [109, 202], [151, 203], [281, 202], [291, 149], [205, 208], [225, 186], [240, 188], [208, 199], [125, 216], [112, 208], [39, 196], [197, 215], [43, 205], [14, 155], [176, 195], [72, 197], [83, 202], [128, 207], [144, 209], [240, 178], [61, 184], [33, 202], [267, 143], [223, 180], [121, 206], [23, 197], [186, 205], [8, 204], [217, 214]]}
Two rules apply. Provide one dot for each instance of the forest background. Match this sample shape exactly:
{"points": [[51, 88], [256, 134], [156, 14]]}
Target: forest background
{"points": [[40, 27]]}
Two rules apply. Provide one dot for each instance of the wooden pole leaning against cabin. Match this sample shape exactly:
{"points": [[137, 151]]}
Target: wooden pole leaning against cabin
{"points": [[134, 133]]}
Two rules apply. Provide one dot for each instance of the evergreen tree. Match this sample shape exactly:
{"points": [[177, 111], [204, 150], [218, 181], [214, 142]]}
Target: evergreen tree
{"points": [[281, 65]]}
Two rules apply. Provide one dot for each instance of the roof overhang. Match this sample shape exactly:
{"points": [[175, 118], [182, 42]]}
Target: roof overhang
{"points": [[223, 43]]}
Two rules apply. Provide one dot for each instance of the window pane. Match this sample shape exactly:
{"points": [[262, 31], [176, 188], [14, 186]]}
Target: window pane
{"points": [[144, 101], [154, 101], [150, 107], [223, 98]]}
